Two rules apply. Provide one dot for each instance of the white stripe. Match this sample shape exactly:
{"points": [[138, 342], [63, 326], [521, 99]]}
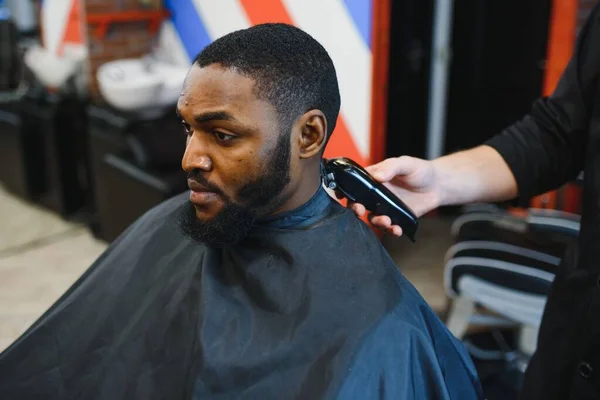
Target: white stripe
{"points": [[523, 307], [55, 14], [490, 263], [330, 24], [490, 320], [499, 246], [481, 207], [567, 221], [221, 17], [515, 223], [558, 222], [550, 213], [171, 47]]}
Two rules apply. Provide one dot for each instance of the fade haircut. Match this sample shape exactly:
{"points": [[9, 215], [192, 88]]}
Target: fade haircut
{"points": [[291, 70]]}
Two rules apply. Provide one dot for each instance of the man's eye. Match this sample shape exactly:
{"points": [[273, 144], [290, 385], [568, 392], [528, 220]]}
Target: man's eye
{"points": [[223, 137], [186, 128]]}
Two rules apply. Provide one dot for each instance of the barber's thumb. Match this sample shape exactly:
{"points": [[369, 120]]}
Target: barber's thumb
{"points": [[387, 169]]}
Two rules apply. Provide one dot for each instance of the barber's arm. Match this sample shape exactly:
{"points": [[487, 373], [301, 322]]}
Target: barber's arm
{"points": [[538, 153]]}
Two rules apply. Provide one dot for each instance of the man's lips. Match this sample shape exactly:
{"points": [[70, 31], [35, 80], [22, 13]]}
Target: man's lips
{"points": [[196, 187], [201, 195]]}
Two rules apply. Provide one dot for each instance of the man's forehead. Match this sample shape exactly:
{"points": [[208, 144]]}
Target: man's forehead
{"points": [[218, 88], [212, 88], [217, 80]]}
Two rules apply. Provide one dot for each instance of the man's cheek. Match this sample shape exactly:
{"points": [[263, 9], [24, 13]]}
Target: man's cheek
{"points": [[245, 172], [236, 185]]}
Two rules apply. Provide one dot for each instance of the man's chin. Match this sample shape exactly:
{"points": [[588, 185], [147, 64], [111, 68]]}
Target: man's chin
{"points": [[206, 214], [228, 225]]}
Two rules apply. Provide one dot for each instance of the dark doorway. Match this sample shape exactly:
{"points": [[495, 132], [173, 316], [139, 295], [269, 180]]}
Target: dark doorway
{"points": [[410, 47], [496, 70]]}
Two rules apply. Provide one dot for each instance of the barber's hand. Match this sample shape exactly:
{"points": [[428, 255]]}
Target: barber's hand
{"points": [[413, 180]]}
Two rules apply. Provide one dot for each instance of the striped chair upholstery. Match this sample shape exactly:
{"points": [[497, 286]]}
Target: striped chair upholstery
{"points": [[505, 263]]}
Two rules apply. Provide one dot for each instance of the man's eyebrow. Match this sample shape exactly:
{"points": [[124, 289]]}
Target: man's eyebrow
{"points": [[217, 116], [214, 116]]}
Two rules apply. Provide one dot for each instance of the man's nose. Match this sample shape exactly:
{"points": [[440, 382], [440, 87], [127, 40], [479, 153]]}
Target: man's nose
{"points": [[196, 156]]}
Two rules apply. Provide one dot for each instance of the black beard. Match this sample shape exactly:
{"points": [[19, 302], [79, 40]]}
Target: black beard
{"points": [[233, 223]]}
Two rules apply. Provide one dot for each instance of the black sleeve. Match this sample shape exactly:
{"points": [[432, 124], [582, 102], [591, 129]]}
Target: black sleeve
{"points": [[546, 149]]}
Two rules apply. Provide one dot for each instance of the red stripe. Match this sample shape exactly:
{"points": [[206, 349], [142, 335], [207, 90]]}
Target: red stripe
{"points": [[263, 11], [342, 145], [561, 40], [381, 36], [72, 33]]}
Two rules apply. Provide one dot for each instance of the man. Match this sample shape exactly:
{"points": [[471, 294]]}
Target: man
{"points": [[546, 149], [255, 284]]}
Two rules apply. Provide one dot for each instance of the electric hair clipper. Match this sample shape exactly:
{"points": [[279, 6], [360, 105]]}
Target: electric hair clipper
{"points": [[359, 186]]}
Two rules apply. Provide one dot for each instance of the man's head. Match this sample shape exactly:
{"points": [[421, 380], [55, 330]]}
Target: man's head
{"points": [[258, 106]]}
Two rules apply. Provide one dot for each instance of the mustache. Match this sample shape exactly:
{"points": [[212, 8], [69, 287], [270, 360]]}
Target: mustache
{"points": [[201, 180]]}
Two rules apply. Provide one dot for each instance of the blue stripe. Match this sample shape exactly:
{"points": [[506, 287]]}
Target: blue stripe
{"points": [[361, 12], [189, 26]]}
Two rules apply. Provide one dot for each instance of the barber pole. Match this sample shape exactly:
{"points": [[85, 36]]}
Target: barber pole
{"points": [[62, 27]]}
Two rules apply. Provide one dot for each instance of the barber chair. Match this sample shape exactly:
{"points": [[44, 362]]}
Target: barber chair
{"points": [[17, 168], [499, 271], [59, 122], [135, 166], [129, 190], [10, 68]]}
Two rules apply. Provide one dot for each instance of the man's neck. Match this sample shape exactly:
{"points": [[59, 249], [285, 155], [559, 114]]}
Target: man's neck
{"points": [[302, 193]]}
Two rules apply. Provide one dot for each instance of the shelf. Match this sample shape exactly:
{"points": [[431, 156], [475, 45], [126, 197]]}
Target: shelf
{"points": [[104, 20]]}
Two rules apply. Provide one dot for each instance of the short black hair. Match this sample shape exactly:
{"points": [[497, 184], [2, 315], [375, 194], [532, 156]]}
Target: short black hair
{"points": [[291, 69]]}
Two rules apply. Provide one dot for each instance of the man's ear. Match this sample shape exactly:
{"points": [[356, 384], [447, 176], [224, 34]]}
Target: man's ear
{"points": [[313, 133]]}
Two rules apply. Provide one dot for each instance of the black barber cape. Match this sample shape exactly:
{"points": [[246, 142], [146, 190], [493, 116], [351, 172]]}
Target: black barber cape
{"points": [[309, 306]]}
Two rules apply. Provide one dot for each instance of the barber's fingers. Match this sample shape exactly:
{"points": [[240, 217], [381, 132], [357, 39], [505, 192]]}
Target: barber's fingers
{"points": [[385, 223], [358, 209], [380, 221], [395, 230], [387, 169]]}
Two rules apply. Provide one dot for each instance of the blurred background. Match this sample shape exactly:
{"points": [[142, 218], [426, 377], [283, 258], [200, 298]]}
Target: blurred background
{"points": [[89, 140]]}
